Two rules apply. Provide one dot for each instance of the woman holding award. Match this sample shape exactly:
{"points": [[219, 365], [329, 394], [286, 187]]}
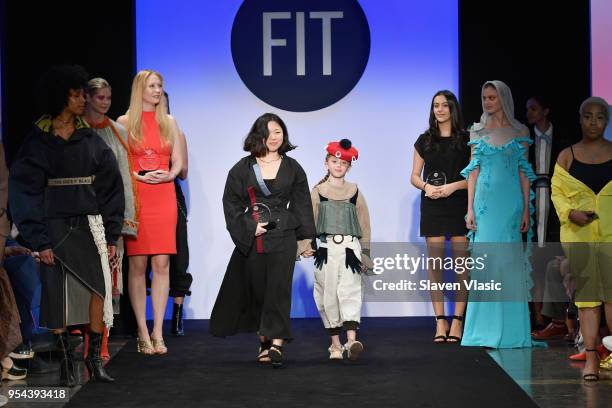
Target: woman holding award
{"points": [[156, 162], [439, 155], [269, 217]]}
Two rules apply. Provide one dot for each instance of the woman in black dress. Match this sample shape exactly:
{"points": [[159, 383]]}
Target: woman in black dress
{"points": [[255, 295], [439, 155]]}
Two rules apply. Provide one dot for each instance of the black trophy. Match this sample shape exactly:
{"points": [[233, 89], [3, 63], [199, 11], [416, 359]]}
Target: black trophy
{"points": [[261, 213], [436, 178]]}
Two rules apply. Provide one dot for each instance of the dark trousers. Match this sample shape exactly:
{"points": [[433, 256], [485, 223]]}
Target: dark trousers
{"points": [[271, 277], [25, 281], [180, 279]]}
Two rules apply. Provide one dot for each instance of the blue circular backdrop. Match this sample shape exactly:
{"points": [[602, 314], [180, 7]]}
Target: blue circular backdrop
{"points": [[284, 88]]}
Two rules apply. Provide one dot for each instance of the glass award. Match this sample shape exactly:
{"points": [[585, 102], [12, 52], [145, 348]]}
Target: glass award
{"points": [[149, 161], [261, 213], [436, 178]]}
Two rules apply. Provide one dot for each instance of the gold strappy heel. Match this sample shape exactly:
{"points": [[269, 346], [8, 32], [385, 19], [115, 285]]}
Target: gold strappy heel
{"points": [[159, 346], [144, 347]]}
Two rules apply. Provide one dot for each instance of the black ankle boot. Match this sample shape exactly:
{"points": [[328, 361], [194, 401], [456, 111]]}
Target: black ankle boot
{"points": [[94, 362], [177, 320], [68, 376]]}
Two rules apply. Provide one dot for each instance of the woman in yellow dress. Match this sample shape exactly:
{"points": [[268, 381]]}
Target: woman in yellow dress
{"points": [[582, 195]]}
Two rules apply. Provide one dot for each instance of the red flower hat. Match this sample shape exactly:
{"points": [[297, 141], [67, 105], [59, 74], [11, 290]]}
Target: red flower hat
{"points": [[343, 150]]}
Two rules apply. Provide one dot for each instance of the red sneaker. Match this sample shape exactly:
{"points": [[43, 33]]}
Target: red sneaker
{"points": [[550, 331]]}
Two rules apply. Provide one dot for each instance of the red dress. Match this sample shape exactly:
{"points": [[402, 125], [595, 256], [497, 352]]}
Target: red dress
{"points": [[157, 209]]}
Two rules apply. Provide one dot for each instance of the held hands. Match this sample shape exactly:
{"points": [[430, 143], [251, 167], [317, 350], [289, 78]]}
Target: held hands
{"points": [[308, 253], [581, 218], [446, 190], [155, 177], [432, 191], [442, 191]]}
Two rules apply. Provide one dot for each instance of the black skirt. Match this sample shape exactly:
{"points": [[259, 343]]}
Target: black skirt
{"points": [[67, 286], [255, 295], [444, 216]]}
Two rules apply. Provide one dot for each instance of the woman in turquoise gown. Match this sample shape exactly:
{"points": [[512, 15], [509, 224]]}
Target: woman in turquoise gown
{"points": [[499, 177]]}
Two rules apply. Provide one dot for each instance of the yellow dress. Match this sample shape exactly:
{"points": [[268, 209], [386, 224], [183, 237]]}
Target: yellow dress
{"points": [[591, 264]]}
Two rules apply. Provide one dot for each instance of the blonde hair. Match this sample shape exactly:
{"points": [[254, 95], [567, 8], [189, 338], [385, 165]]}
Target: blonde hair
{"points": [[596, 100], [134, 113], [95, 84]]}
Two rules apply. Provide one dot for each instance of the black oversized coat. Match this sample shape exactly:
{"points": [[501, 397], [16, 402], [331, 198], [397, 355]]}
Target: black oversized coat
{"points": [[291, 209]]}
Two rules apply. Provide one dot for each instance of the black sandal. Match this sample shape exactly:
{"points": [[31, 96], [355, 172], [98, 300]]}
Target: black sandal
{"points": [[591, 377], [443, 337], [263, 346], [276, 355], [455, 339]]}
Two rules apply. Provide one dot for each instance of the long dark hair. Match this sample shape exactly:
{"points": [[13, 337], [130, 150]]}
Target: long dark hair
{"points": [[458, 134], [255, 142]]}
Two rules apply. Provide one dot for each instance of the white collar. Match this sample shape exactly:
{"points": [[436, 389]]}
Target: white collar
{"points": [[548, 131]]}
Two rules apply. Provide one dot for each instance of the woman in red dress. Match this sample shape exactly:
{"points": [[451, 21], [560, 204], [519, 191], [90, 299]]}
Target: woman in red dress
{"points": [[157, 160]]}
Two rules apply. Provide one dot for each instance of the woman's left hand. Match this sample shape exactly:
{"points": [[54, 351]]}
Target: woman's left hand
{"points": [[155, 177], [525, 222], [446, 190], [162, 176]]}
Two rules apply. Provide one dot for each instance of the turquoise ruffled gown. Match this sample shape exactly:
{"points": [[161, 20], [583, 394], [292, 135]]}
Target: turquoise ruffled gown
{"points": [[499, 319]]}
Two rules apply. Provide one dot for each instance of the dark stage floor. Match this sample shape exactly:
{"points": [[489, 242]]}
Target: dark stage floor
{"points": [[400, 367]]}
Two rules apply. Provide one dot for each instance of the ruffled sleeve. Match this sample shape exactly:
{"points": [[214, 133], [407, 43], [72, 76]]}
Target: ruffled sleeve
{"points": [[527, 170], [523, 162], [475, 160]]}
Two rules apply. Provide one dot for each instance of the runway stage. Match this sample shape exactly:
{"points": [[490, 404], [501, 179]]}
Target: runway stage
{"points": [[400, 367]]}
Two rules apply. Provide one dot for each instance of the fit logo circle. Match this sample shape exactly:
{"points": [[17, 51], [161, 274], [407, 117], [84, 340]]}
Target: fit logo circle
{"points": [[300, 55]]}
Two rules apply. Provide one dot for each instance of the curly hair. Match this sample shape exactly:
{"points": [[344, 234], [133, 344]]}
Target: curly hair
{"points": [[55, 85], [255, 142]]}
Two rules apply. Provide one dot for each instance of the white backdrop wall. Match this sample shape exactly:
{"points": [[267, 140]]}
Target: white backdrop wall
{"points": [[414, 53]]}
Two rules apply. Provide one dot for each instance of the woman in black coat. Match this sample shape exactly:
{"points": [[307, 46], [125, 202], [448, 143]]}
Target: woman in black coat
{"points": [[269, 217]]}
